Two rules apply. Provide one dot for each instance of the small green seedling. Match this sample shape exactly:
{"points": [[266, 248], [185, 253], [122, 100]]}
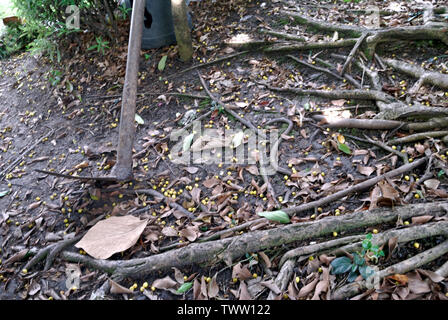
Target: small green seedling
{"points": [[124, 12], [359, 265], [55, 77], [100, 45]]}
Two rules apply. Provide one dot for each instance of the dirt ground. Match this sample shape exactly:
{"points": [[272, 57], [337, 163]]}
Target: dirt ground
{"points": [[64, 117]]}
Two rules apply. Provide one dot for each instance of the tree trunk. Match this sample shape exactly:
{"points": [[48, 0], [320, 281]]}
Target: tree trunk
{"points": [[181, 29]]}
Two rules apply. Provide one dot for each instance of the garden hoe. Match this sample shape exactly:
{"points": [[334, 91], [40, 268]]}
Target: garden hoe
{"points": [[122, 171]]}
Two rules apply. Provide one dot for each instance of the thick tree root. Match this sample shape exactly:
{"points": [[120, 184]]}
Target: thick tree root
{"points": [[403, 235], [402, 267], [354, 243], [425, 77], [428, 31], [318, 247], [283, 277], [282, 35], [230, 249], [310, 45], [356, 94], [368, 124]]}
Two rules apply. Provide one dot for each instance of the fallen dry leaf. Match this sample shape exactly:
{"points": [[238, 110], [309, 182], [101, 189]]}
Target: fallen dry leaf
{"points": [[367, 171], [401, 278], [421, 219], [306, 290], [241, 272], [213, 288], [112, 235], [244, 292], [191, 233], [115, 288], [253, 170], [191, 170]]}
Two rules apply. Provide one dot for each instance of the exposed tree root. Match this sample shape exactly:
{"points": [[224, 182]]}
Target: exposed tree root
{"points": [[353, 52], [368, 124], [50, 252], [325, 26], [428, 31], [230, 249], [403, 235], [167, 200], [310, 45], [283, 277], [356, 94], [282, 35], [354, 243], [443, 270], [425, 77], [402, 267], [318, 247], [402, 155], [418, 136]]}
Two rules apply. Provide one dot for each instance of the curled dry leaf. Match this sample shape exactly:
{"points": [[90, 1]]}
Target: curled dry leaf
{"points": [[401, 278], [306, 290], [367, 171], [164, 283], [244, 292], [265, 259], [195, 195], [197, 294], [213, 288], [432, 183], [241, 272], [115, 288], [191, 170], [210, 183], [191, 233], [112, 235], [421, 219], [253, 170], [435, 277], [82, 165], [169, 232]]}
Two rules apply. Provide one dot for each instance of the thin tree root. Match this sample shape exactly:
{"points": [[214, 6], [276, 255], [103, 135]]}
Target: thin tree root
{"points": [[418, 136], [356, 188], [50, 252]]}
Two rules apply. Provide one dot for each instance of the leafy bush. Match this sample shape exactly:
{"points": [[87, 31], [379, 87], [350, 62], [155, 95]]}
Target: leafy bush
{"points": [[44, 26]]}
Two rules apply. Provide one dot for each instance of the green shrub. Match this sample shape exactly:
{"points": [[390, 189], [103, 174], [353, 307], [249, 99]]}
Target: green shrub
{"points": [[44, 26]]}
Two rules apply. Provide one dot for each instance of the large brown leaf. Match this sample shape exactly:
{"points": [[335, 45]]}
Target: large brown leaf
{"points": [[112, 235]]}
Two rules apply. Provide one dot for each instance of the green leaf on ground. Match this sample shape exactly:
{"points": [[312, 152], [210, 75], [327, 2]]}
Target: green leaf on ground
{"points": [[341, 265], [139, 119], [344, 148], [162, 63], [185, 287], [279, 216]]}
